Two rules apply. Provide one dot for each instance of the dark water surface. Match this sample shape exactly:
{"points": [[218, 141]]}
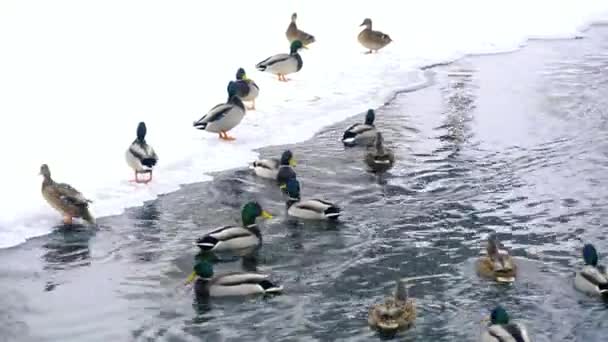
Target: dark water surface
{"points": [[515, 144]]}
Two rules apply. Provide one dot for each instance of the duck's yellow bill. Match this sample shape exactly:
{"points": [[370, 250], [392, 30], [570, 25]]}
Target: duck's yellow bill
{"points": [[292, 162], [266, 214], [190, 278], [245, 78], [283, 186]]}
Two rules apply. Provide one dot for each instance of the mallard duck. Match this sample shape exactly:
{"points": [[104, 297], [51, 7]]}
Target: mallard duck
{"points": [[64, 198], [361, 133], [398, 312], [234, 237], [224, 116], [498, 264], [230, 284], [279, 169], [500, 329], [141, 157], [592, 278], [379, 158], [372, 40], [283, 64], [312, 209], [293, 33], [247, 89]]}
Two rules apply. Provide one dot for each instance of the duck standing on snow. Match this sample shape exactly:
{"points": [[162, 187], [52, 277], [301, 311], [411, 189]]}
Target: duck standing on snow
{"points": [[224, 116], [592, 278], [501, 329], [497, 264], [247, 89], [231, 238], [398, 312], [311, 209], [64, 198], [283, 64], [140, 156], [361, 133], [372, 40], [281, 170], [379, 159], [293, 33], [229, 284]]}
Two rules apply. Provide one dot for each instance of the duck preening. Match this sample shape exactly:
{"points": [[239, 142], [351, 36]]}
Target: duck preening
{"points": [[140, 156], [311, 209], [361, 133], [379, 158], [497, 264], [64, 198], [224, 116], [283, 64], [246, 89], [501, 329], [592, 278], [372, 40], [293, 33], [232, 238], [398, 312], [230, 284]]}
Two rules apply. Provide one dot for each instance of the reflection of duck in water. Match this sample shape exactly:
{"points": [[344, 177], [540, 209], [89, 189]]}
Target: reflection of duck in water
{"points": [[398, 312], [68, 248], [592, 278], [498, 264]]}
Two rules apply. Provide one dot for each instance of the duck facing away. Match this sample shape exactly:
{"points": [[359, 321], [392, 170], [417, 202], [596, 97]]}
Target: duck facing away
{"points": [[398, 312], [140, 156], [246, 89], [361, 133], [379, 159], [311, 209], [224, 116], [232, 238], [229, 284], [501, 329], [372, 40], [283, 64], [592, 278], [497, 264], [293, 33], [279, 169], [65, 199]]}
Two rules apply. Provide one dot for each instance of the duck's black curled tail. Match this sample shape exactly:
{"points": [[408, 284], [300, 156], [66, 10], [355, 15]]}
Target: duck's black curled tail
{"points": [[206, 243], [332, 212]]}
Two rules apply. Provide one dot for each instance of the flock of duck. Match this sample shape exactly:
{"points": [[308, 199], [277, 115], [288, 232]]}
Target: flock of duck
{"points": [[398, 311]]}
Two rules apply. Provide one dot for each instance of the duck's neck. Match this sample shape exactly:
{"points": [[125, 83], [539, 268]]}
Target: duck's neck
{"points": [[291, 201], [237, 102], [47, 181]]}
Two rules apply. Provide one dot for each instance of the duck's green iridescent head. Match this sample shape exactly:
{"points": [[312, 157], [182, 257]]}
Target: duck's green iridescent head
{"points": [[499, 316], [287, 158], [232, 89], [370, 117], [141, 131], [296, 45], [251, 211], [202, 269], [292, 187], [590, 255], [240, 74]]}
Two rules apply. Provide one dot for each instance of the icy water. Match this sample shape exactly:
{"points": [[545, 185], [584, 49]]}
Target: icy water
{"points": [[514, 144]]}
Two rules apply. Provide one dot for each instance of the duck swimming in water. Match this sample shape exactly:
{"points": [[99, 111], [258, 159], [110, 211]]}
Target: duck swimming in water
{"points": [[229, 284], [140, 156], [311, 209], [64, 198], [379, 159], [497, 264], [501, 329], [592, 278], [398, 312], [279, 169], [361, 133]]}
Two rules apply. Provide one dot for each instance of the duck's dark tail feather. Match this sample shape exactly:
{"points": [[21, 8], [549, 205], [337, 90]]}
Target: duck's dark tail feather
{"points": [[206, 243], [332, 212], [269, 287], [200, 126], [149, 162]]}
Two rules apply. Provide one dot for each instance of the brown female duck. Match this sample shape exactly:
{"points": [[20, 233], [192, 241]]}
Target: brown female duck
{"points": [[64, 198]]}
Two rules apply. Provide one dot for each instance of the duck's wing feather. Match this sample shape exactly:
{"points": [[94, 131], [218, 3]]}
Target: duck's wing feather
{"points": [[270, 164], [216, 113], [314, 205], [273, 60], [594, 276], [67, 193], [239, 278], [377, 35], [509, 332], [229, 232]]}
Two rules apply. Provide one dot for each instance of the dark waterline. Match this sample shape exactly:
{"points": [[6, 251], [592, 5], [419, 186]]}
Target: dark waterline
{"points": [[514, 144]]}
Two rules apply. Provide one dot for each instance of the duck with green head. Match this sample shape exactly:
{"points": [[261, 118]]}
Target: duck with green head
{"points": [[140, 155], [235, 238], [311, 209], [247, 89], [501, 329], [224, 116], [230, 284], [592, 278], [283, 64], [361, 133], [279, 169]]}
